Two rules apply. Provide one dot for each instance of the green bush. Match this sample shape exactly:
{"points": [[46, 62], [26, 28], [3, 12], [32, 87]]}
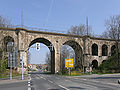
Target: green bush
{"points": [[111, 65], [3, 66]]}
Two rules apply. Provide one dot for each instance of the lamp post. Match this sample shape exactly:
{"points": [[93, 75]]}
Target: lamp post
{"points": [[10, 46], [23, 63]]}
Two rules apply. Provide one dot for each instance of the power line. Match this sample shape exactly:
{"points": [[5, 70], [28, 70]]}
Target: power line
{"points": [[87, 24], [49, 11], [21, 17]]}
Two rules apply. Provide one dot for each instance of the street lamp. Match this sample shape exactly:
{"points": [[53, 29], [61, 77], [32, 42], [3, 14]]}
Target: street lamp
{"points": [[10, 46]]}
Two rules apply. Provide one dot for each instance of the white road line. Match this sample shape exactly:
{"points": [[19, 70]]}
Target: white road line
{"points": [[67, 80], [84, 79], [50, 81], [75, 78], [29, 86], [63, 87], [41, 77], [113, 84], [29, 77], [44, 78], [57, 78]]}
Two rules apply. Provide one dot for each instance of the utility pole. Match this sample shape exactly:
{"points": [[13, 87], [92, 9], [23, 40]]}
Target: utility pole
{"points": [[22, 18], [87, 24]]}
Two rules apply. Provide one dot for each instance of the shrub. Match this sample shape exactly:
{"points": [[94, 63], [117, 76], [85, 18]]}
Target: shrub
{"points": [[111, 65], [3, 66]]}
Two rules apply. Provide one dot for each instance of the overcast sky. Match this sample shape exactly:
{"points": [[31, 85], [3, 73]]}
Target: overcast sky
{"points": [[59, 14]]}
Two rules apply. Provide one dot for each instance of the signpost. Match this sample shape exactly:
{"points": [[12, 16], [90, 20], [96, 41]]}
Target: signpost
{"points": [[69, 64], [12, 56], [10, 49]]}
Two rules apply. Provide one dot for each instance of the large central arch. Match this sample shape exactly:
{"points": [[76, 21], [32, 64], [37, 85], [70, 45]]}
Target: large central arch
{"points": [[78, 53], [52, 50]]}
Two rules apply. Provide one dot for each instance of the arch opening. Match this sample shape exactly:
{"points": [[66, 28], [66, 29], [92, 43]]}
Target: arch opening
{"points": [[66, 52], [6, 40], [3, 50], [77, 53], [103, 61], [95, 49], [113, 50], [104, 50], [94, 64], [47, 51]]}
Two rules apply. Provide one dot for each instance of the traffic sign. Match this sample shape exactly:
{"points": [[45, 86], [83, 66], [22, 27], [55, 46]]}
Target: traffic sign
{"points": [[13, 58], [69, 63], [10, 46]]}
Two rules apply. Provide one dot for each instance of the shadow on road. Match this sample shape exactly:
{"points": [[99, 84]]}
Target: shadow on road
{"points": [[39, 72], [76, 88]]}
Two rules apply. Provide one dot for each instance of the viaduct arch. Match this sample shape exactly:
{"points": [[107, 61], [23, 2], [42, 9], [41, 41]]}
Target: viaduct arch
{"points": [[87, 49]]}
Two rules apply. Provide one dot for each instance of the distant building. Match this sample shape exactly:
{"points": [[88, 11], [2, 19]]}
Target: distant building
{"points": [[43, 67], [32, 66]]}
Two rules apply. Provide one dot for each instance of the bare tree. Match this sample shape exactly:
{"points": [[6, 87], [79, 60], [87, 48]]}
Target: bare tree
{"points": [[112, 28], [80, 30], [4, 22], [48, 60], [66, 52]]}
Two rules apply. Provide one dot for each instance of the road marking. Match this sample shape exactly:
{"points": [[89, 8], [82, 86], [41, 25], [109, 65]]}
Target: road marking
{"points": [[50, 81], [112, 84], [57, 78], [67, 80], [63, 87], [44, 78], [29, 86], [41, 77], [84, 79], [75, 78]]}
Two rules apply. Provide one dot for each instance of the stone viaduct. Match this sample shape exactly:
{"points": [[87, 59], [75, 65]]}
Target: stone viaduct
{"points": [[88, 50]]}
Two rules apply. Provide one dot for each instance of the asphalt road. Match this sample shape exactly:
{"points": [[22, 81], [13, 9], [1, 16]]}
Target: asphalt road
{"points": [[55, 82], [14, 86], [41, 81]]}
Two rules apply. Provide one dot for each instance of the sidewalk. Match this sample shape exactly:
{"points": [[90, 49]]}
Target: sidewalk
{"points": [[111, 79], [15, 79]]}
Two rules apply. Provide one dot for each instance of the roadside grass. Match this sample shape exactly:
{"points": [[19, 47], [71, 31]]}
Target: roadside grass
{"points": [[77, 73], [47, 73], [6, 74]]}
